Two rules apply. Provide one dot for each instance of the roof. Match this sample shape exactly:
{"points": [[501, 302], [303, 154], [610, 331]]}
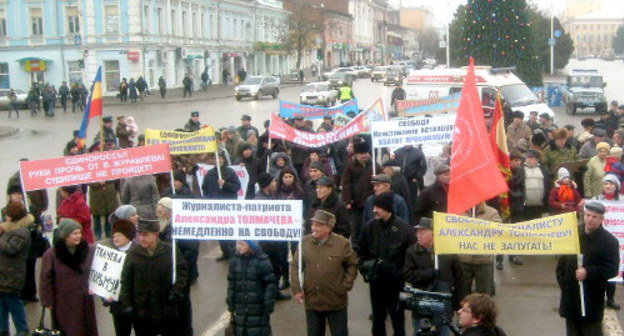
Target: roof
{"points": [[602, 15]]}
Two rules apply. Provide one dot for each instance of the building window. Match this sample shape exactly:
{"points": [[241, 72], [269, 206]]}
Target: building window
{"points": [[36, 22], [202, 26], [111, 19], [184, 24], [3, 26], [174, 27], [75, 72], [111, 75], [159, 20], [147, 20], [4, 76], [73, 20]]}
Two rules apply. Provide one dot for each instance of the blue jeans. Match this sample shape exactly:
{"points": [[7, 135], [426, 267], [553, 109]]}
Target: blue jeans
{"points": [[11, 303]]}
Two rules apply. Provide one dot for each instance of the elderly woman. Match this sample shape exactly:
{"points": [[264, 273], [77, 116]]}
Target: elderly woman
{"points": [[592, 180], [251, 290], [64, 281]]}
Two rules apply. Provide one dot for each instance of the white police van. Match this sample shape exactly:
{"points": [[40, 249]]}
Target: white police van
{"points": [[434, 83]]}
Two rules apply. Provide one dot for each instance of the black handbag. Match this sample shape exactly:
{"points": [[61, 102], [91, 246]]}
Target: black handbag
{"points": [[230, 330], [41, 330]]}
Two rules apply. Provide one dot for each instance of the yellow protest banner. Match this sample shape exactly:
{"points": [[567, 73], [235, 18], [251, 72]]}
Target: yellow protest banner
{"points": [[202, 141], [455, 234]]}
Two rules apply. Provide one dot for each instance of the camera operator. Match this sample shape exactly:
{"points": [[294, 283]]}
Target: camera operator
{"points": [[477, 316], [420, 272]]}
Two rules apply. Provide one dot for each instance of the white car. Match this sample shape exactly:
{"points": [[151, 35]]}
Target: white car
{"points": [[318, 93], [362, 71], [379, 73], [21, 98], [347, 70]]}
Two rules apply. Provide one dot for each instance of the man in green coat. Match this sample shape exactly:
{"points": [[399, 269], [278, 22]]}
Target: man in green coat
{"points": [[559, 151]]}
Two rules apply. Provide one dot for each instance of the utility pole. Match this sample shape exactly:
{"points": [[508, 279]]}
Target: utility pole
{"points": [[448, 47]]}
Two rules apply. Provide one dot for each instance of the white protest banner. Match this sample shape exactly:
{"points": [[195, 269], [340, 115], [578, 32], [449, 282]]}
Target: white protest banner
{"points": [[105, 276], [277, 220], [241, 172], [419, 130], [614, 223]]}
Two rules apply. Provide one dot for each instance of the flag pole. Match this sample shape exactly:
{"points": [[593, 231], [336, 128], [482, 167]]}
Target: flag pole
{"points": [[579, 262], [268, 165], [173, 241], [218, 164]]}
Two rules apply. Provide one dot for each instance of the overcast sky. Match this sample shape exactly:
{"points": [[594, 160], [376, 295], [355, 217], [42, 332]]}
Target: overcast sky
{"points": [[444, 9]]}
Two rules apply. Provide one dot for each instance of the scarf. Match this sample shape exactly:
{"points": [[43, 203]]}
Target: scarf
{"points": [[566, 193]]}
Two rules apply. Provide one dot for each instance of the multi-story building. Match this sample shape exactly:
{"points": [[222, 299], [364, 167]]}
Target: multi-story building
{"points": [[54, 41], [593, 33], [369, 30]]}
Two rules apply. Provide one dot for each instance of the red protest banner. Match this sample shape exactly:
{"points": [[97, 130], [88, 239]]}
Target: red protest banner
{"points": [[94, 167], [281, 130]]}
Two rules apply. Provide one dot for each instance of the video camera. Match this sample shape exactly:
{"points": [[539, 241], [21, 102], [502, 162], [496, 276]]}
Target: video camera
{"points": [[428, 305]]}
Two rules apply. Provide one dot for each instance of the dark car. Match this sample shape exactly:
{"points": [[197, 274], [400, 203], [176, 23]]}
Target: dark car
{"points": [[393, 77]]}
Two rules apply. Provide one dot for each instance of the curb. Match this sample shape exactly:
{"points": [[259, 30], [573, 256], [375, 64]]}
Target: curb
{"points": [[158, 100]]}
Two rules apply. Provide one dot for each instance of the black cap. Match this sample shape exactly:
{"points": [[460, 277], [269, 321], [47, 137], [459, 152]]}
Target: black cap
{"points": [[569, 127], [381, 178], [599, 132], [384, 201], [595, 207], [425, 223], [518, 115], [108, 119], [264, 179], [246, 117], [298, 117], [325, 181], [533, 154], [194, 114], [545, 115]]}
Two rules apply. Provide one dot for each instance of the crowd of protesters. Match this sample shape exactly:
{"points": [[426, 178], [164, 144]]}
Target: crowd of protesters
{"points": [[371, 218]]}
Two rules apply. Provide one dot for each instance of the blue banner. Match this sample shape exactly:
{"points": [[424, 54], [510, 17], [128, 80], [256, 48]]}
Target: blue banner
{"points": [[292, 110]]}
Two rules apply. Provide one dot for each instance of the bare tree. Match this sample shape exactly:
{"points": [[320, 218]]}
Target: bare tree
{"points": [[429, 41], [303, 26]]}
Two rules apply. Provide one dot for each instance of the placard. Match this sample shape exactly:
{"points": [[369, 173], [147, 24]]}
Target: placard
{"points": [[202, 141], [241, 172], [105, 275]]}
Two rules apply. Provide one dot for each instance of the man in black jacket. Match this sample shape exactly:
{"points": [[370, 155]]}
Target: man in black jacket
{"points": [[420, 272], [225, 187], [414, 167], [600, 263], [398, 182], [328, 199], [397, 94], [433, 198], [381, 248], [193, 124], [253, 165]]}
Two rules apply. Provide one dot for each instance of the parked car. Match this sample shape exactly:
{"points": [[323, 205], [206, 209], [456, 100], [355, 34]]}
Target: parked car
{"points": [[584, 88], [257, 86], [340, 78], [361, 71], [318, 93], [393, 76], [21, 98], [378, 73]]}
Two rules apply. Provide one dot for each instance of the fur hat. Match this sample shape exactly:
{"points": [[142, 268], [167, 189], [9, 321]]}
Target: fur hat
{"points": [[146, 225], [603, 145], [385, 201], [14, 189], [66, 227], [125, 227], [361, 147], [562, 173]]}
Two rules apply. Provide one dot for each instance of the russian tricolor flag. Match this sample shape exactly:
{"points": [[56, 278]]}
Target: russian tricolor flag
{"points": [[93, 107]]}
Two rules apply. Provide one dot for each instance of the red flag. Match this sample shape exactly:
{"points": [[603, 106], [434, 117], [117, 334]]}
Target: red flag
{"points": [[501, 153], [474, 174]]}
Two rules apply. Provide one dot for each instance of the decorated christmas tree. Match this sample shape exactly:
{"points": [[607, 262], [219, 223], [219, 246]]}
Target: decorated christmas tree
{"points": [[498, 33]]}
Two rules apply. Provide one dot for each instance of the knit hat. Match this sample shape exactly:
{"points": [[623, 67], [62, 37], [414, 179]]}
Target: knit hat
{"points": [[442, 168], [253, 244], [66, 227], [603, 145], [384, 201], [562, 173], [125, 211], [264, 179], [245, 147], [613, 179], [125, 227], [166, 202], [146, 225]]}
